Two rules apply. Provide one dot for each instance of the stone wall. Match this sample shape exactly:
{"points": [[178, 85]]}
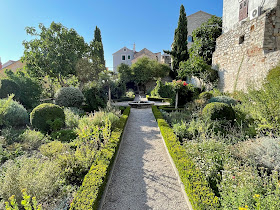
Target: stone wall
{"points": [[231, 11], [195, 20], [246, 53]]}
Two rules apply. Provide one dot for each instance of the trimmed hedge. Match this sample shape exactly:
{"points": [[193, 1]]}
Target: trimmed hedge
{"points": [[151, 98], [220, 111], [69, 97], [90, 193], [205, 95], [170, 108], [44, 114], [223, 99], [200, 194]]}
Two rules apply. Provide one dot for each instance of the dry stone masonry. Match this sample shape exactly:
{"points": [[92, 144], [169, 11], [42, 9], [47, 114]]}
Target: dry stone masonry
{"points": [[248, 51]]}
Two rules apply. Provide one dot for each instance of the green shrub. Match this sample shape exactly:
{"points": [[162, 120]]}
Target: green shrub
{"points": [[163, 90], [12, 205], [180, 129], [54, 149], [243, 186], [117, 90], [64, 135], [130, 93], [273, 75], [56, 124], [176, 116], [90, 193], [200, 194], [30, 88], [209, 155], [69, 97], [41, 178], [43, 115], [11, 135], [217, 110], [96, 97], [7, 87], [263, 106], [205, 95], [15, 114], [98, 118], [72, 116], [32, 139], [264, 152], [186, 92], [223, 99]]}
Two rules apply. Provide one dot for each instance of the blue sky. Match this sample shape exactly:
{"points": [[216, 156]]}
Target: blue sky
{"points": [[148, 23]]}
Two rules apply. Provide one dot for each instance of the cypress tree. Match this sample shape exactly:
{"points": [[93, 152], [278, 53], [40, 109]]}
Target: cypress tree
{"points": [[179, 50], [96, 45]]}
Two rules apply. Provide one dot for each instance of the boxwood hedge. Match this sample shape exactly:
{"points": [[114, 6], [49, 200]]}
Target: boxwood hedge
{"points": [[94, 183], [197, 188]]}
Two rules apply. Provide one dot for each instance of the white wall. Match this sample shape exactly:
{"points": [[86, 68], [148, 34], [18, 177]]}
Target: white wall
{"points": [[117, 58], [231, 11]]}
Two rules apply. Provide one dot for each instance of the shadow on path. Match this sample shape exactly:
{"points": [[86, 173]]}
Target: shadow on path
{"points": [[143, 177]]}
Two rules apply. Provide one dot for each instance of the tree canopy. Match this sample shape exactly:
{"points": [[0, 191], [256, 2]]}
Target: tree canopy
{"points": [[96, 46], [142, 72], [145, 70], [205, 39], [54, 52], [179, 51]]}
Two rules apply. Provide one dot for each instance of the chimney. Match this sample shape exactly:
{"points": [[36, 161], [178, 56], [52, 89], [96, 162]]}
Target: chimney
{"points": [[0, 63], [134, 48]]}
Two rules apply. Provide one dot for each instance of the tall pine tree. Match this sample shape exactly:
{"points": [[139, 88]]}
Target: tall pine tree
{"points": [[96, 45], [179, 50]]}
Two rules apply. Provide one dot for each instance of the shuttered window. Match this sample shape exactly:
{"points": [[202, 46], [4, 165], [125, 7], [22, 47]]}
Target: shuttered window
{"points": [[243, 9]]}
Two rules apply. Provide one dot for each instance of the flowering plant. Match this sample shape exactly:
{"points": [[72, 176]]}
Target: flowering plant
{"points": [[179, 84]]}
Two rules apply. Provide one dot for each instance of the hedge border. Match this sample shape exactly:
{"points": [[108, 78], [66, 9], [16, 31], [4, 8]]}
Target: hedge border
{"points": [[90, 193], [152, 98], [197, 188]]}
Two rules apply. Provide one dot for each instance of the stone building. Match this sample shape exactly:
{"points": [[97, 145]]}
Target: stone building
{"points": [[250, 44], [194, 21], [129, 57], [12, 65]]}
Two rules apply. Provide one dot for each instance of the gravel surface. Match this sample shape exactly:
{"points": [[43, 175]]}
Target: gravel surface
{"points": [[143, 177]]}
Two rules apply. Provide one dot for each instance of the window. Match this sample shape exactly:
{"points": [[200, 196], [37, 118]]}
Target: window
{"points": [[123, 57], [128, 57], [243, 9], [190, 38], [241, 39], [124, 49]]}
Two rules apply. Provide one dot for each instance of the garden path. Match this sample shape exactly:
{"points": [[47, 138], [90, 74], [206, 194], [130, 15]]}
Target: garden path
{"points": [[143, 176]]}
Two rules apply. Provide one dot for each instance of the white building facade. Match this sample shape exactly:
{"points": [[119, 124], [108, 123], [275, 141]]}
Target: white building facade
{"points": [[237, 11], [124, 55]]}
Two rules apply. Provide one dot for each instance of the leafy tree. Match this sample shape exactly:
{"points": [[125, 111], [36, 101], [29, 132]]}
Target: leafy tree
{"points": [[88, 69], [179, 50], [30, 87], [145, 70], [205, 39], [125, 73], [54, 52], [197, 67], [97, 46]]}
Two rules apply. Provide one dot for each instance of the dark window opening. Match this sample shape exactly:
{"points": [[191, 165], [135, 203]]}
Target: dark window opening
{"points": [[128, 57], [241, 39], [123, 57]]}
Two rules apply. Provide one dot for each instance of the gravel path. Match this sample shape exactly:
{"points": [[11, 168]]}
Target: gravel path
{"points": [[143, 177]]}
